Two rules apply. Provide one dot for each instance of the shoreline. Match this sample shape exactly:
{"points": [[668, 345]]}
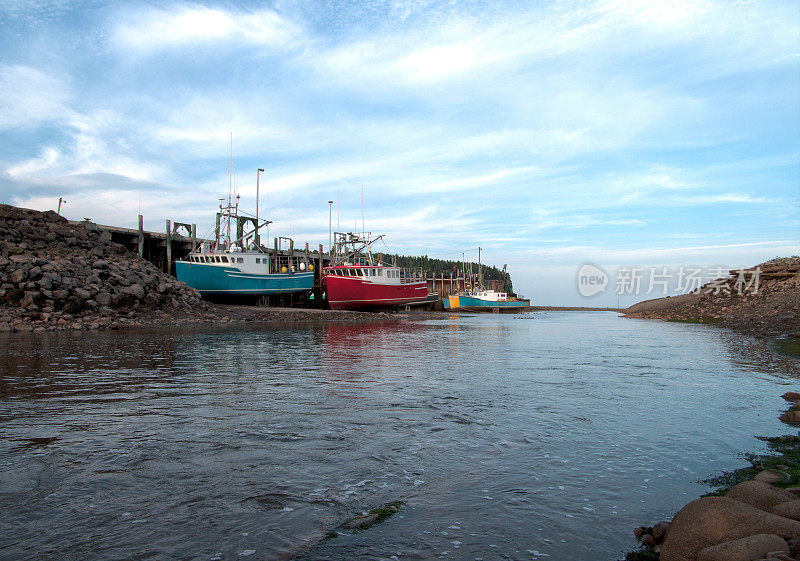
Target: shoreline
{"points": [[753, 512], [763, 301]]}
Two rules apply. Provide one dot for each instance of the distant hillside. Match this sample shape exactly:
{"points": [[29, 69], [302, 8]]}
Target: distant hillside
{"points": [[445, 266]]}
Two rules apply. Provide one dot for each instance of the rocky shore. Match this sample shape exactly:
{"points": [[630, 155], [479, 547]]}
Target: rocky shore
{"points": [[57, 276], [753, 516], [763, 301]]}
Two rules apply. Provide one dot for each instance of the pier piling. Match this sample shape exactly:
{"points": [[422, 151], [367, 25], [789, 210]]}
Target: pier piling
{"points": [[141, 236], [168, 264]]}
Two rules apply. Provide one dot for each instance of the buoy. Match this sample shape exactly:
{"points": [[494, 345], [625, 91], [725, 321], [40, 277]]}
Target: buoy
{"points": [[283, 269], [302, 266], [310, 267]]}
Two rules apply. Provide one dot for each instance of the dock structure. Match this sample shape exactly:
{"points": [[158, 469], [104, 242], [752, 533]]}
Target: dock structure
{"points": [[445, 284], [179, 239]]}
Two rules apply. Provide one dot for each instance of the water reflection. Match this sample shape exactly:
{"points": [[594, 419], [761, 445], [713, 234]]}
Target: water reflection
{"points": [[503, 437]]}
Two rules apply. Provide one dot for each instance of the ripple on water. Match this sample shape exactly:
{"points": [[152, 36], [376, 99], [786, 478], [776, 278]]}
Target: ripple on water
{"points": [[504, 438]]}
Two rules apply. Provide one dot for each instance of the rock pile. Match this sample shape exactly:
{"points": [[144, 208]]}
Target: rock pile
{"points": [[763, 300], [55, 275]]}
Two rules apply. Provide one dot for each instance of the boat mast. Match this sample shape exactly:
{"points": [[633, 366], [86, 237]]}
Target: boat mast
{"points": [[230, 179], [480, 270]]}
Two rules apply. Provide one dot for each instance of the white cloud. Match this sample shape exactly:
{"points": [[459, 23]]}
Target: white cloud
{"points": [[722, 198], [146, 31], [30, 97], [91, 151]]}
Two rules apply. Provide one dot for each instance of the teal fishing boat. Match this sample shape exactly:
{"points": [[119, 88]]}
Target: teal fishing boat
{"points": [[485, 301], [245, 273], [242, 266]]}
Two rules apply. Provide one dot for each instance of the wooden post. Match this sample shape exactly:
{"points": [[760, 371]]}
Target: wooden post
{"points": [[141, 236], [291, 256], [194, 237], [318, 293], [275, 256], [168, 266]]}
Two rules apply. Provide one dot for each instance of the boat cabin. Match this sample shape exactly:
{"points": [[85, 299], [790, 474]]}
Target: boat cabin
{"points": [[376, 273], [252, 263], [491, 295]]}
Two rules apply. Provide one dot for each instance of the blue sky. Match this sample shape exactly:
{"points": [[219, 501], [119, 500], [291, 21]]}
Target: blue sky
{"points": [[552, 134]]}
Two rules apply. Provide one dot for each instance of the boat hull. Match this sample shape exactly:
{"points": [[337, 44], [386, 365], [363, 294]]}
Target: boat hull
{"points": [[215, 279], [472, 304], [354, 293]]}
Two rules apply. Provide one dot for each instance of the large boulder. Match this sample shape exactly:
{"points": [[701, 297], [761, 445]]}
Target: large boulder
{"points": [[17, 276], [709, 521], [135, 290], [770, 476], [103, 298], [789, 509], [759, 494], [750, 548]]}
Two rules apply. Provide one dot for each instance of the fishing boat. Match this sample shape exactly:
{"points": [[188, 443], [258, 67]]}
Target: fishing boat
{"points": [[242, 266], [356, 280], [485, 301]]}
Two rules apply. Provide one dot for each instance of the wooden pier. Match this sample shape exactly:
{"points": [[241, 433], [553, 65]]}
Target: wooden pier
{"points": [[178, 239]]}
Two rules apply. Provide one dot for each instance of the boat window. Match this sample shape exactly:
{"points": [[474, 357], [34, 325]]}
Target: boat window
{"points": [[258, 260], [208, 259], [372, 272], [224, 259]]}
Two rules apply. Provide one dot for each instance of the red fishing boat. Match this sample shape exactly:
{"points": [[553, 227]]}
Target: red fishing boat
{"points": [[356, 280]]}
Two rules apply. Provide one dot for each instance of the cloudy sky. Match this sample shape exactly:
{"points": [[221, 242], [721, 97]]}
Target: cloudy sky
{"points": [[552, 134]]}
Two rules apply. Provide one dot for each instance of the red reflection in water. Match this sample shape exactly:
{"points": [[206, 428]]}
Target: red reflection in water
{"points": [[356, 352]]}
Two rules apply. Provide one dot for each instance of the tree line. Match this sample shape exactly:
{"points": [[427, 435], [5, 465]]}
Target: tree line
{"points": [[445, 267]]}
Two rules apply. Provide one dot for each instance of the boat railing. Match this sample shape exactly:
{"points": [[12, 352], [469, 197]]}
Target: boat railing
{"points": [[287, 261], [410, 275]]}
